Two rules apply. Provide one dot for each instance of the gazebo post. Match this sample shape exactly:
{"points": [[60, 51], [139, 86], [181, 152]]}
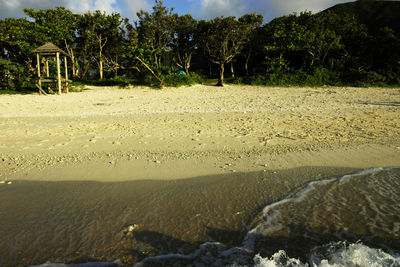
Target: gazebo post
{"points": [[47, 68], [58, 73], [47, 73], [38, 72], [66, 74]]}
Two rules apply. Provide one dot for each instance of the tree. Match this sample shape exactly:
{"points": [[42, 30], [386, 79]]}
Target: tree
{"points": [[96, 33], [183, 41], [319, 39], [223, 39], [155, 31], [303, 41], [283, 42], [251, 23], [132, 51], [387, 50], [18, 37]]}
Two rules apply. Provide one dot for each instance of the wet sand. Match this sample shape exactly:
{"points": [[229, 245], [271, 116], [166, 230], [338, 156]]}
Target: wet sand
{"points": [[187, 165]]}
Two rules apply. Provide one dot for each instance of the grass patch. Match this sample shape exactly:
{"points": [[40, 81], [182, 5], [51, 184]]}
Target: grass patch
{"points": [[15, 92]]}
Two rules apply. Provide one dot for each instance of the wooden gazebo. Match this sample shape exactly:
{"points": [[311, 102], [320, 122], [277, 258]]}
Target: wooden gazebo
{"points": [[50, 50]]}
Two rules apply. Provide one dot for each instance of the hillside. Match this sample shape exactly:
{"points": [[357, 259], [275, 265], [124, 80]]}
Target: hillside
{"points": [[374, 14]]}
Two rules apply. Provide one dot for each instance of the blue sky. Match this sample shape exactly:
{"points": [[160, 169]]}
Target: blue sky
{"points": [[200, 9]]}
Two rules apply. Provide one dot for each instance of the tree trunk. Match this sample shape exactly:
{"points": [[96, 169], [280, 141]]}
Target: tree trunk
{"points": [[221, 75], [101, 46], [246, 64], [187, 67], [73, 67], [158, 61], [86, 69], [101, 61], [187, 63], [101, 69], [76, 71], [74, 64]]}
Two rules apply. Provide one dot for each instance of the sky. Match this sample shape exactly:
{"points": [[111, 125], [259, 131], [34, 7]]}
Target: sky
{"points": [[199, 9]]}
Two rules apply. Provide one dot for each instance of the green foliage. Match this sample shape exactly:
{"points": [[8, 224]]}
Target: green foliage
{"points": [[97, 35], [374, 14], [351, 44], [14, 76], [184, 43], [319, 77], [154, 32], [57, 25], [223, 39], [177, 80]]}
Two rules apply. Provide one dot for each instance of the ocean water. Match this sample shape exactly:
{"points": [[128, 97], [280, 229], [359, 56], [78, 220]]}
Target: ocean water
{"points": [[352, 220]]}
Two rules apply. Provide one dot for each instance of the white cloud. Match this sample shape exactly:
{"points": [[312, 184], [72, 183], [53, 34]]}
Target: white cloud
{"points": [[81, 6], [134, 6], [269, 8], [285, 7], [13, 8], [214, 8], [11, 4], [106, 5], [204, 9]]}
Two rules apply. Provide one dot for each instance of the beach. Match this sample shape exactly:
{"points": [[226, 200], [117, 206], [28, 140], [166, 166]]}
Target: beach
{"points": [[180, 166]]}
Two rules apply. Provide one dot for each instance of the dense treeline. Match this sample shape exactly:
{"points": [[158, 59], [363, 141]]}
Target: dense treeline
{"points": [[163, 48]]}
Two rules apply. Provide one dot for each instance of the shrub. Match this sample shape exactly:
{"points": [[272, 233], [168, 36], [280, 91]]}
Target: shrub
{"points": [[15, 77], [176, 80], [322, 76]]}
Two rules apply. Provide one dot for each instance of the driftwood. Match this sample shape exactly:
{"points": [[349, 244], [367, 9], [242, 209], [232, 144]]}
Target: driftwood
{"points": [[152, 72], [41, 91]]}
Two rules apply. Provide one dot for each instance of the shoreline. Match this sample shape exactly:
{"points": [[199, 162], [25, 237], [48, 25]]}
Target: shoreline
{"points": [[138, 165]]}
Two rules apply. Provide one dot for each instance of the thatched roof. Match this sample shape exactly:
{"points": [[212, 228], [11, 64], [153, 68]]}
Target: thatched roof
{"points": [[49, 48]]}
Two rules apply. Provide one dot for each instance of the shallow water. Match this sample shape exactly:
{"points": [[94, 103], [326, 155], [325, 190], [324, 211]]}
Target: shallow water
{"points": [[305, 221], [351, 220], [364, 206]]}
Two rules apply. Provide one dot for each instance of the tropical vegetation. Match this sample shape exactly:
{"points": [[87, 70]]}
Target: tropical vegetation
{"points": [[348, 44]]}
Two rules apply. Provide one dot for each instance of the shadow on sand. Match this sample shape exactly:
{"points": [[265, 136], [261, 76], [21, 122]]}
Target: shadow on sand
{"points": [[388, 104]]}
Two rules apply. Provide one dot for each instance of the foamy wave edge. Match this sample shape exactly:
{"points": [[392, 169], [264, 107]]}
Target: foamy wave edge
{"points": [[331, 255]]}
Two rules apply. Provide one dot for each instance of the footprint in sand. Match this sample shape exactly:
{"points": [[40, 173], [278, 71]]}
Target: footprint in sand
{"points": [[114, 142], [60, 144]]}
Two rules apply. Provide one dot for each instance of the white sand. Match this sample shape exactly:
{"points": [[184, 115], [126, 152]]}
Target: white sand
{"points": [[112, 134]]}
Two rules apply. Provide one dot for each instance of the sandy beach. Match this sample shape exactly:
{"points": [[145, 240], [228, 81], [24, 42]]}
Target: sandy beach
{"points": [[188, 164]]}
